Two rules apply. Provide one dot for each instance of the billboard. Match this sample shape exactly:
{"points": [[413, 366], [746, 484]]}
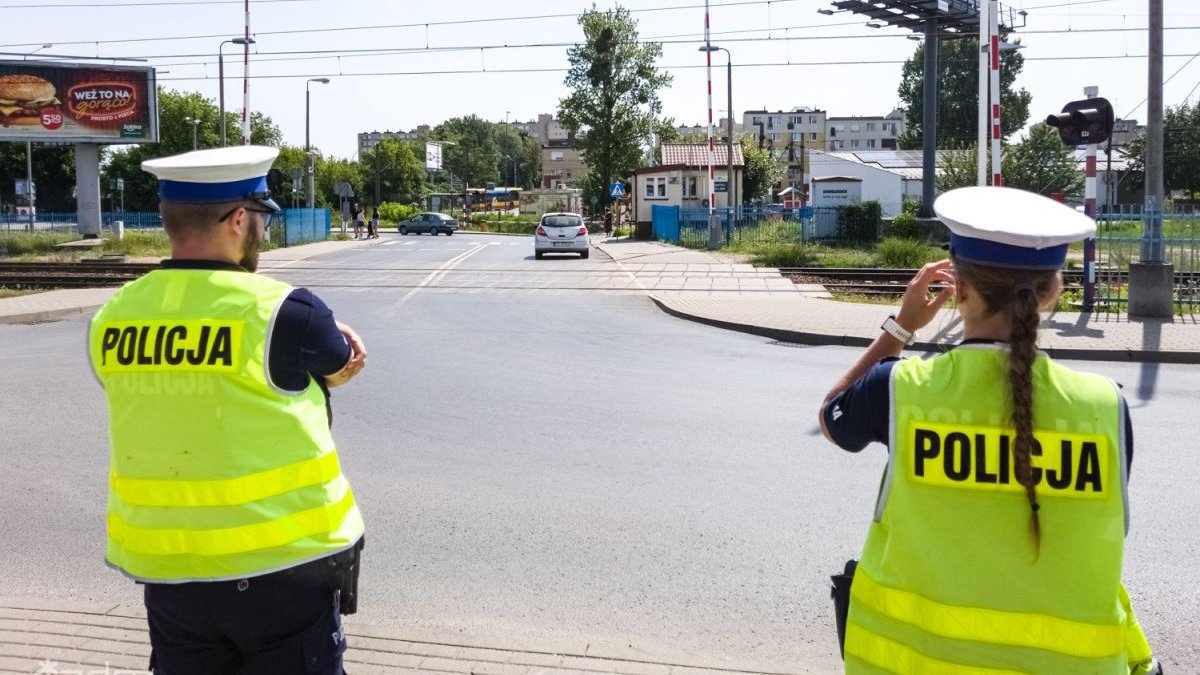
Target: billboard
{"points": [[77, 103], [433, 156]]}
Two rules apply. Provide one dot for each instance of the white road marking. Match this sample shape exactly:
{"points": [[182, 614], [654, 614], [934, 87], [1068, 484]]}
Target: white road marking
{"points": [[436, 275]]}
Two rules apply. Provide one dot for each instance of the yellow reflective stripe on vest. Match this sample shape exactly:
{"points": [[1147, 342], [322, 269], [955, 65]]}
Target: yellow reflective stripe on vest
{"points": [[896, 658], [1018, 629], [230, 540], [228, 492]]}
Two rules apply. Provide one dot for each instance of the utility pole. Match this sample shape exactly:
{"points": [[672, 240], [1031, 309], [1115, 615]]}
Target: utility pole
{"points": [[1151, 279], [929, 119]]}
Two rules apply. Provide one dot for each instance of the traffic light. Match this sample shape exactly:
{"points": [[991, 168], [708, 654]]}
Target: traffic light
{"points": [[1084, 122]]}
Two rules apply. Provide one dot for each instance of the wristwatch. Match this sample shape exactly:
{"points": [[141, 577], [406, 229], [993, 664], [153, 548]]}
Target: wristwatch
{"points": [[906, 337]]}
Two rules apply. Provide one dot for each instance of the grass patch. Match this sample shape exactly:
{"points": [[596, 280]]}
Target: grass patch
{"points": [[23, 244], [14, 292], [906, 253], [139, 244]]}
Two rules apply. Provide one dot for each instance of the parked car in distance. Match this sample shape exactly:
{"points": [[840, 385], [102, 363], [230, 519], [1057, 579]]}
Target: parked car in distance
{"points": [[560, 233], [430, 222]]}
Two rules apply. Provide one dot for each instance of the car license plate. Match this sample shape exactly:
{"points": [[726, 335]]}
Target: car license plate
{"points": [[563, 244]]}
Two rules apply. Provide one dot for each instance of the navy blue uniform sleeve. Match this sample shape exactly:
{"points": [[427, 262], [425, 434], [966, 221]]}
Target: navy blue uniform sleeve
{"points": [[861, 414], [305, 342]]}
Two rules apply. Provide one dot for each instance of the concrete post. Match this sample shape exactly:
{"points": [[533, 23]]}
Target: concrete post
{"points": [[1151, 287], [87, 189], [929, 120]]}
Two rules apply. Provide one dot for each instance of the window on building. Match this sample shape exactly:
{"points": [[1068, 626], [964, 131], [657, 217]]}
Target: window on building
{"points": [[812, 136], [660, 187], [556, 156], [812, 119], [649, 186], [773, 136], [796, 119], [870, 142], [854, 143], [756, 120], [841, 144], [690, 187], [797, 135], [870, 126], [854, 127]]}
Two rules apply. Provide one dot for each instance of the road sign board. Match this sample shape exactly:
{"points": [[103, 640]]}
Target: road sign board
{"points": [[617, 189]]}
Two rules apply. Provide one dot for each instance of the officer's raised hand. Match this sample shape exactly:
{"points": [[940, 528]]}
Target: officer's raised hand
{"points": [[918, 307]]}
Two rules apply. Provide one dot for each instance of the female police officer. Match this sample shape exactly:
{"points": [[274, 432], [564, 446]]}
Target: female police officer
{"points": [[998, 534]]}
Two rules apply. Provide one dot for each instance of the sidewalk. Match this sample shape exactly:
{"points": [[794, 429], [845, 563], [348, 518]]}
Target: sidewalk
{"points": [[94, 638], [806, 315]]}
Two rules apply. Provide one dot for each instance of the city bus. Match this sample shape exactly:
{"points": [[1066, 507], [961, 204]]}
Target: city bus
{"points": [[491, 199]]}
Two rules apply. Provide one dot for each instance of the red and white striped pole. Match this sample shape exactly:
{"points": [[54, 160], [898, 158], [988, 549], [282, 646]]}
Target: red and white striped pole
{"points": [[1089, 205], [246, 81], [713, 233], [994, 32]]}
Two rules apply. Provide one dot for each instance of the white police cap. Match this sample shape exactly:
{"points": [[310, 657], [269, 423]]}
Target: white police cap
{"points": [[1004, 227], [218, 175]]}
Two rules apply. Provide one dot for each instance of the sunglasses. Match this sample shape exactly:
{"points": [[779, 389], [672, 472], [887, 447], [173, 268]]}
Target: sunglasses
{"points": [[234, 210]]}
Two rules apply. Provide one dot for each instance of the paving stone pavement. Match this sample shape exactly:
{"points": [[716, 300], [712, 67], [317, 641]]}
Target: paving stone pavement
{"points": [[96, 638]]}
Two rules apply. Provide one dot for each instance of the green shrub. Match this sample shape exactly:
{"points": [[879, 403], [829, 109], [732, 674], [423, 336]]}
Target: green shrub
{"points": [[393, 213], [859, 222], [906, 226], [905, 253]]}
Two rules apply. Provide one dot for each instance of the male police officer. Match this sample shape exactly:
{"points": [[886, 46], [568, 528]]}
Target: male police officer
{"points": [[226, 498]]}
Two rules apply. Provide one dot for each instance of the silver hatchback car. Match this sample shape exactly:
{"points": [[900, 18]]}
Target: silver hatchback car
{"points": [[561, 233]]}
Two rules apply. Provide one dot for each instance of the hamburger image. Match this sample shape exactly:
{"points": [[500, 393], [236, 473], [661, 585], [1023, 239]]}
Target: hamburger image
{"points": [[23, 98]]}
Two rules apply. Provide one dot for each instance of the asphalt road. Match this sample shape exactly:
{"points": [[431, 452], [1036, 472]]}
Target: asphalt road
{"points": [[540, 463]]}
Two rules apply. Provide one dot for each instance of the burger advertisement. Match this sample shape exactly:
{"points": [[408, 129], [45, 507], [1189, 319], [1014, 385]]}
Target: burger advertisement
{"points": [[77, 103]]}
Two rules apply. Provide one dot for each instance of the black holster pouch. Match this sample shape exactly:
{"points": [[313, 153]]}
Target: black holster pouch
{"points": [[841, 601], [343, 576]]}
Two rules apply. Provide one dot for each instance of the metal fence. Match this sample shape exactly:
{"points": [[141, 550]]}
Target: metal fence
{"points": [[1118, 242], [301, 225], [749, 225], [291, 227], [69, 220]]}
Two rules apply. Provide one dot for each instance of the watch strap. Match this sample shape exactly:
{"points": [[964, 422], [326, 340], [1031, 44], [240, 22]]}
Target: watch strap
{"points": [[893, 328]]}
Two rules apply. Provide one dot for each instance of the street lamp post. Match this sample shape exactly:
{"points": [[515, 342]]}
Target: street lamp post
{"points": [[728, 123], [195, 125], [221, 77], [307, 141], [29, 195]]}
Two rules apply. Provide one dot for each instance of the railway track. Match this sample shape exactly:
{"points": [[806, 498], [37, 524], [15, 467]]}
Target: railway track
{"points": [[891, 282], [88, 274]]}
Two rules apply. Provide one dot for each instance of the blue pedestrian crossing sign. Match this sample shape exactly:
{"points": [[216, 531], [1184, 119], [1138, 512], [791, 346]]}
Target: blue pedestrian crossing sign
{"points": [[616, 190]]}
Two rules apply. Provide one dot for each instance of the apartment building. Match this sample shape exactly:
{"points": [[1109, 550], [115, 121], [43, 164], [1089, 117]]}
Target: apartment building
{"points": [[789, 136], [369, 139], [864, 133]]}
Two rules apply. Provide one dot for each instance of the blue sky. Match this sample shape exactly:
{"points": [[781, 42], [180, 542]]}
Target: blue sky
{"points": [[397, 91]]}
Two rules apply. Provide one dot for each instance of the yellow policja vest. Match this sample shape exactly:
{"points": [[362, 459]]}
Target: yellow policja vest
{"points": [[215, 473], [950, 582]]}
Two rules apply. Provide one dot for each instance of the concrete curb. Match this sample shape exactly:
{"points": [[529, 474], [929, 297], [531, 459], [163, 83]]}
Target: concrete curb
{"points": [[48, 315], [825, 339]]}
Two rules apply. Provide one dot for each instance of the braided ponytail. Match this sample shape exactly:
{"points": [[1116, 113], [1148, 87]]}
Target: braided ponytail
{"points": [[1020, 294], [1022, 343]]}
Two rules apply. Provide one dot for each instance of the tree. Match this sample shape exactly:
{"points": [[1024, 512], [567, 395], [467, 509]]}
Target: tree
{"points": [[520, 157], [53, 174], [614, 96], [472, 154], [1038, 163], [1041, 163], [761, 171], [393, 171], [958, 94], [175, 136], [1181, 146]]}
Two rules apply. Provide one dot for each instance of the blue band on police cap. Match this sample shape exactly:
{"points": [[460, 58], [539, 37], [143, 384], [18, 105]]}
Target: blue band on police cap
{"points": [[985, 252], [198, 193]]}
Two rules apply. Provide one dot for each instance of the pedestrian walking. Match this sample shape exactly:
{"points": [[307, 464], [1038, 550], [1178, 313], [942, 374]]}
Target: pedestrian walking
{"points": [[998, 531], [356, 214], [608, 221], [373, 227], [226, 498]]}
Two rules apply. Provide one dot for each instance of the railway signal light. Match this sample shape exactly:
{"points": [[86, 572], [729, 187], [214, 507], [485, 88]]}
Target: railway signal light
{"points": [[1085, 122]]}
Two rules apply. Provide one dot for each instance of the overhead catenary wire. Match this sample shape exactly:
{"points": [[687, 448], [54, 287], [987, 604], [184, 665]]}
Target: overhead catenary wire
{"points": [[417, 24]]}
